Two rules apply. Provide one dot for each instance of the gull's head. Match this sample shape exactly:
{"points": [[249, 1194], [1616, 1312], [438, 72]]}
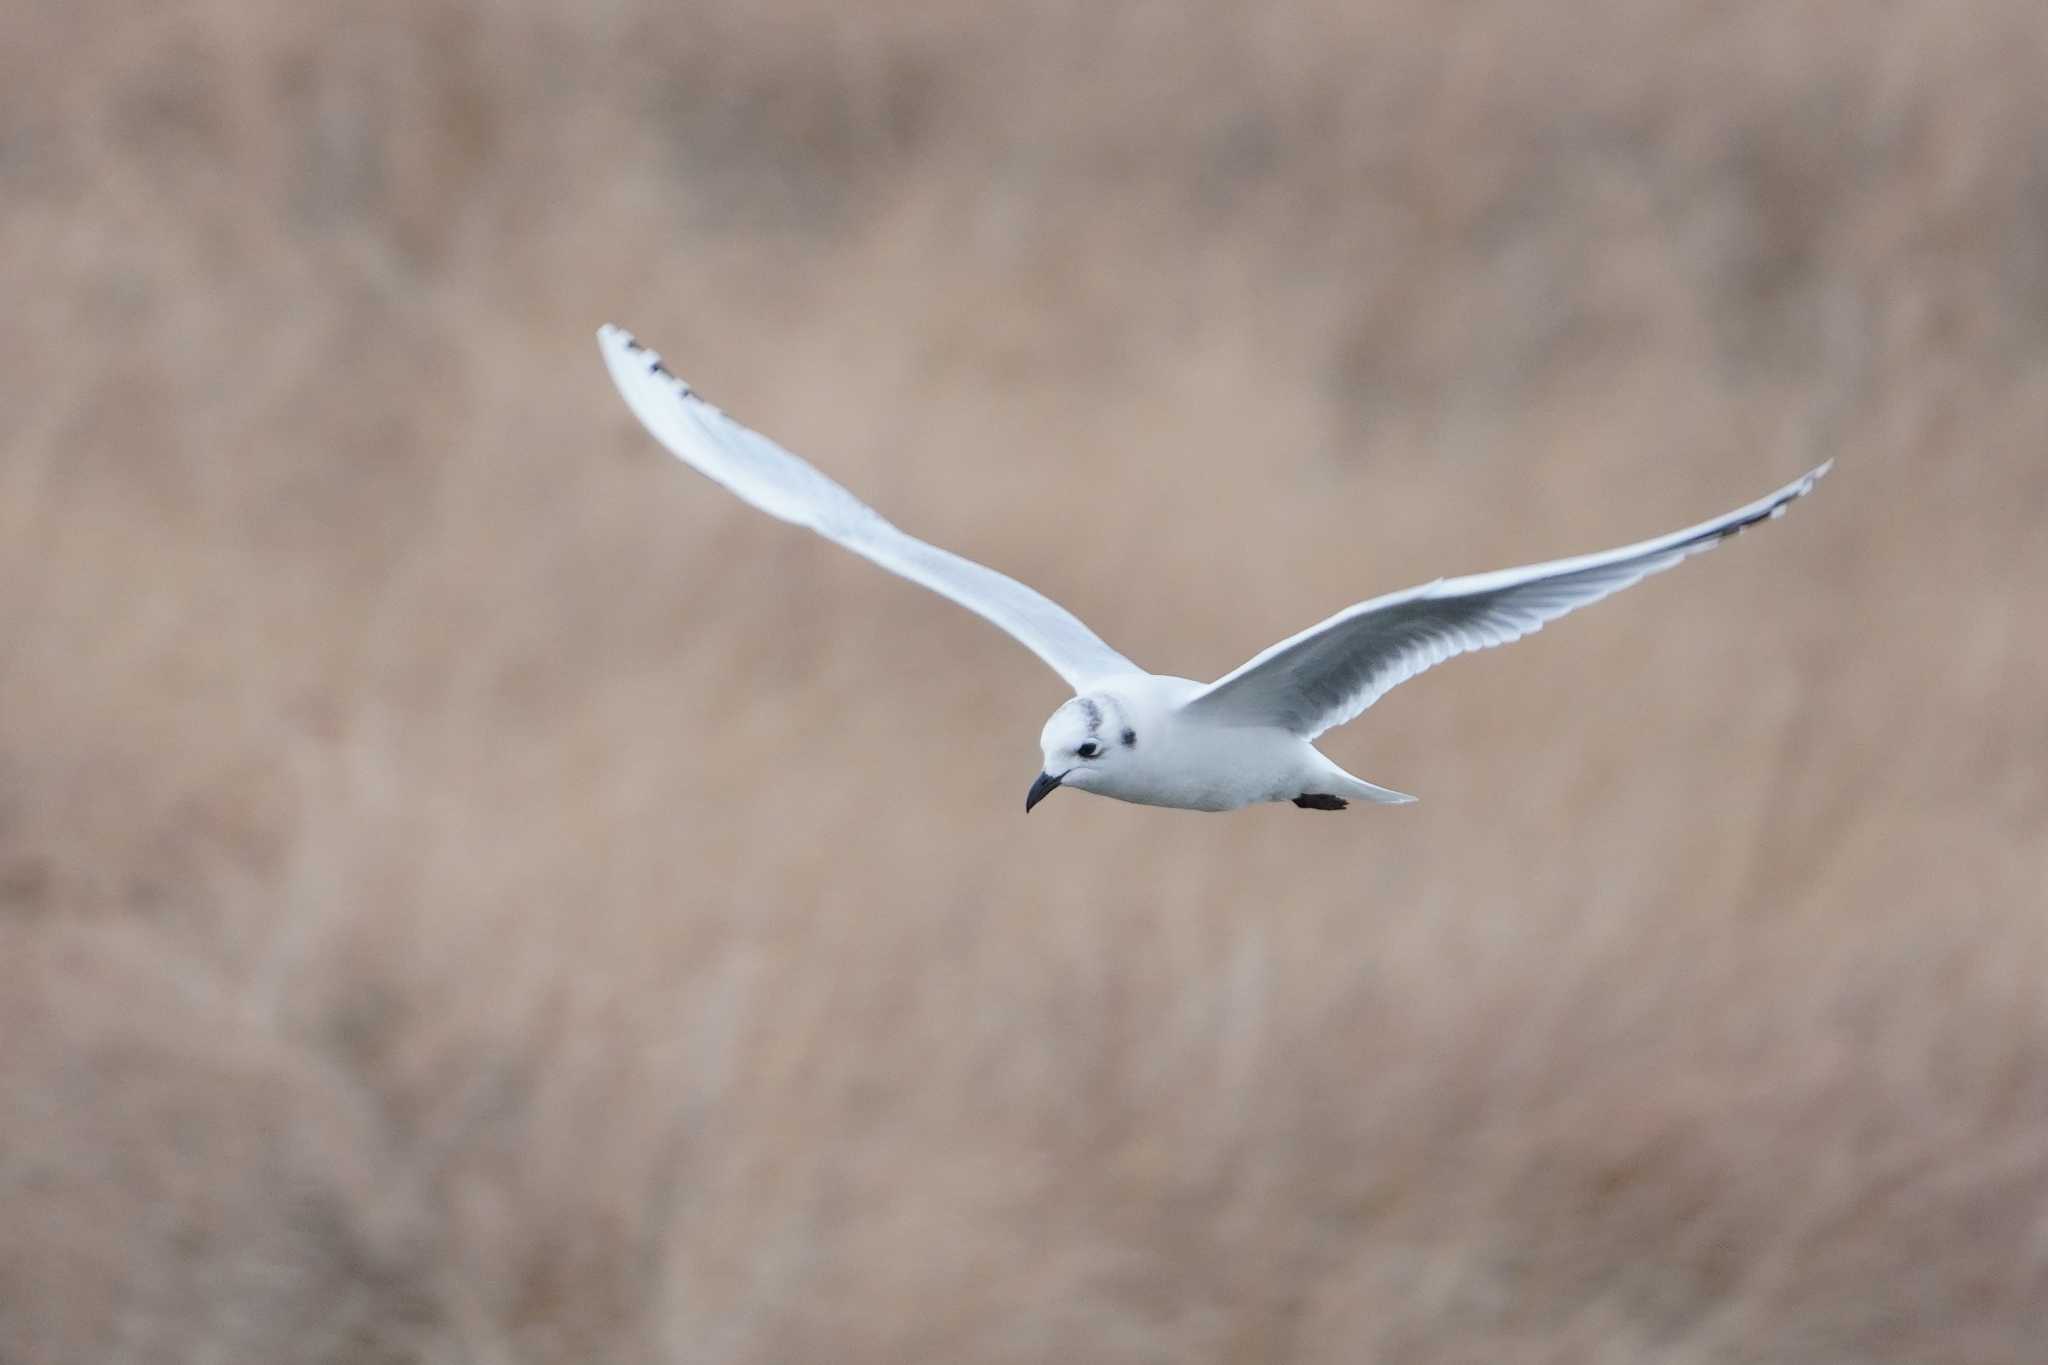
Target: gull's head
{"points": [[1084, 740]]}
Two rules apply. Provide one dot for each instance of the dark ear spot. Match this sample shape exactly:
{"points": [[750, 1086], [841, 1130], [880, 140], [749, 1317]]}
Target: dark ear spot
{"points": [[1130, 738]]}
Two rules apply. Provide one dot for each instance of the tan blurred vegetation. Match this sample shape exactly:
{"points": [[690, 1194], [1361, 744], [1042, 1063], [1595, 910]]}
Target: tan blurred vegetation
{"points": [[471, 891]]}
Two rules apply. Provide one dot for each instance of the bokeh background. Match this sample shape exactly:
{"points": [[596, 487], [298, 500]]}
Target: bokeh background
{"points": [[471, 891]]}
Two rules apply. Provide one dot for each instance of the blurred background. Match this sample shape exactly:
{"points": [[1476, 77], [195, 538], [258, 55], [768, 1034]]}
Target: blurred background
{"points": [[472, 891]]}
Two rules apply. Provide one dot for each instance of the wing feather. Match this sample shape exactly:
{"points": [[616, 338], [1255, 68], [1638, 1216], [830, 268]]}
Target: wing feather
{"points": [[765, 475], [1334, 670]]}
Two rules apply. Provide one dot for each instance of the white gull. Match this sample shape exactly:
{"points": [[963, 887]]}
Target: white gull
{"points": [[1151, 738]]}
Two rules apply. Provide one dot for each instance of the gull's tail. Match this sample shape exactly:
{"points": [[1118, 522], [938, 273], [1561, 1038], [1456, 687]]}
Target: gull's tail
{"points": [[1342, 786], [1366, 791]]}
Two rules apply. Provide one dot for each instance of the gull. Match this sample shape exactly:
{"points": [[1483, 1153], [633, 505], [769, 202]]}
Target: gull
{"points": [[1154, 739]]}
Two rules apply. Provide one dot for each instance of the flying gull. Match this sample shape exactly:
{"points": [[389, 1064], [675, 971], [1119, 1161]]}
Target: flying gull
{"points": [[1146, 737]]}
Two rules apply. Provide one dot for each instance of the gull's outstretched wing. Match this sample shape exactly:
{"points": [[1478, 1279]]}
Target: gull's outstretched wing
{"points": [[780, 484], [1331, 672]]}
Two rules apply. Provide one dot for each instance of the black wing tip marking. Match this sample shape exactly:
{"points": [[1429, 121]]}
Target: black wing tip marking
{"points": [[1320, 801], [1771, 510], [649, 357]]}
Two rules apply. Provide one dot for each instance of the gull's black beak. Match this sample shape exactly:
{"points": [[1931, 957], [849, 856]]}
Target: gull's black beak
{"points": [[1040, 789]]}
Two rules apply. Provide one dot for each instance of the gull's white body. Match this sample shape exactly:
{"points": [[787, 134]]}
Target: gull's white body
{"points": [[1149, 738], [1179, 760]]}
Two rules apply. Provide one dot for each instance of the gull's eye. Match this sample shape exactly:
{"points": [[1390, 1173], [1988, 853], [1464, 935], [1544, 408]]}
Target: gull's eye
{"points": [[1089, 750]]}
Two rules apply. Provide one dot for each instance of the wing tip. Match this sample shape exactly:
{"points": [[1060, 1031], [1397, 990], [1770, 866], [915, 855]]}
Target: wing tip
{"points": [[1797, 489], [614, 339], [626, 353], [1768, 509]]}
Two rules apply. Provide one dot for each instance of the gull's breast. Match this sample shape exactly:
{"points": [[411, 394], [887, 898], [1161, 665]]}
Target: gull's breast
{"points": [[1212, 768]]}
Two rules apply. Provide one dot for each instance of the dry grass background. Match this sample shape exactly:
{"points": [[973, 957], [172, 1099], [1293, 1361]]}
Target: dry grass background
{"points": [[470, 891]]}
